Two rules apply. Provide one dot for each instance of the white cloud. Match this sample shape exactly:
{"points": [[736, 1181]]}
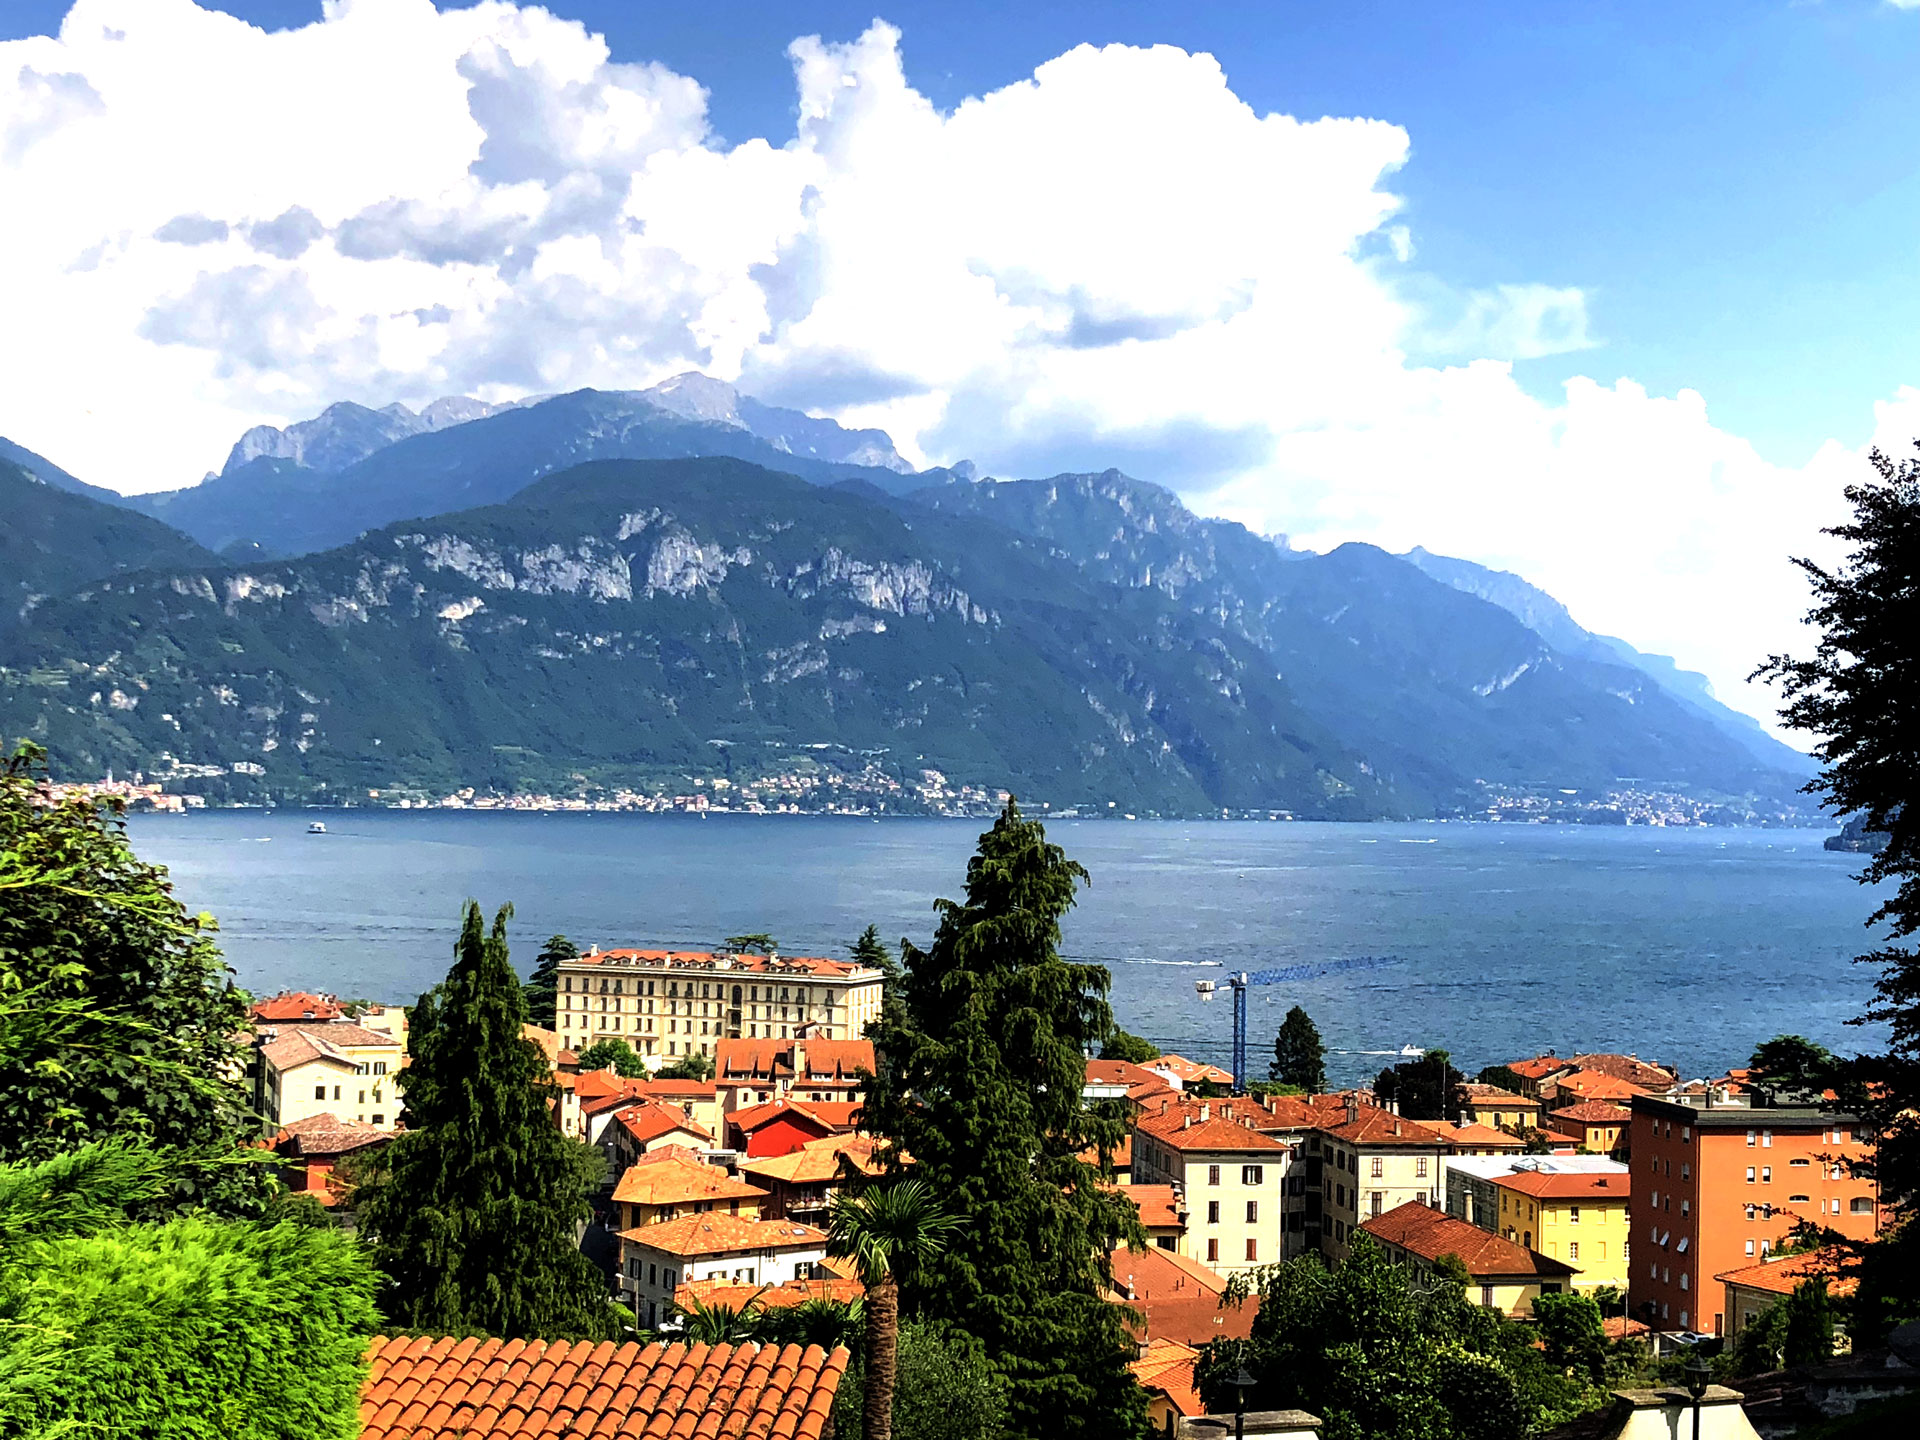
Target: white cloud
{"points": [[1115, 261]]}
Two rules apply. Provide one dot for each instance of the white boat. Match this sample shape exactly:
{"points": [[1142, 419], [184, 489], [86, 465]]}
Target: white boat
{"points": [[317, 828], [1411, 1052]]}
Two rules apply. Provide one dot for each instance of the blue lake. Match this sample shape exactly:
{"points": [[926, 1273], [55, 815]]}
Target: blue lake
{"points": [[1684, 946]]}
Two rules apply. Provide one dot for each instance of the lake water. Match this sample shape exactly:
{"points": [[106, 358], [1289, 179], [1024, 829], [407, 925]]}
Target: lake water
{"points": [[1685, 946]]}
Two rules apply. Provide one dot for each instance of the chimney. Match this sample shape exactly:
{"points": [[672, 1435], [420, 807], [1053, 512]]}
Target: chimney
{"points": [[1396, 1127], [1353, 1109], [1205, 1110], [1186, 1122]]}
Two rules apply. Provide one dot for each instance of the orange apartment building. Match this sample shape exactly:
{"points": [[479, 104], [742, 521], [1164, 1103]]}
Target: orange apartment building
{"points": [[1720, 1182]]}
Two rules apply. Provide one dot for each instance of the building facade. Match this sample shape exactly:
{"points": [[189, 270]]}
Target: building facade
{"points": [[670, 1004], [333, 1067], [1376, 1162], [1580, 1218], [1232, 1178], [1502, 1274], [656, 1259], [1721, 1185], [1471, 1195]]}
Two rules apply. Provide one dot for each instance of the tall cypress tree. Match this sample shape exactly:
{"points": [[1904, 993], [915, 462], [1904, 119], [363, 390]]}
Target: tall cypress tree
{"points": [[871, 950], [474, 1222], [1299, 1058], [982, 1087], [543, 986]]}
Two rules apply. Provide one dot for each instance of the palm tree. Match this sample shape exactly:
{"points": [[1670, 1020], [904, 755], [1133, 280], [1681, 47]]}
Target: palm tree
{"points": [[718, 1323], [889, 1232]]}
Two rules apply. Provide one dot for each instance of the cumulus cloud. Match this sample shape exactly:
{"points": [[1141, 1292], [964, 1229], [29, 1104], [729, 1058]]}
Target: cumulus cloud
{"points": [[1114, 261]]}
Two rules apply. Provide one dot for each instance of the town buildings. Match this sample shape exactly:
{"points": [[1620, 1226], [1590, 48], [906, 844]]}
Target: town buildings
{"points": [[1163, 1214], [1720, 1182], [656, 1259], [1501, 1109], [337, 1067], [1597, 1126], [318, 1145], [1581, 1218], [1470, 1192], [669, 1004], [1231, 1175], [1176, 1297], [1376, 1162], [668, 1183], [1503, 1274], [1753, 1289], [801, 1184], [752, 1072]]}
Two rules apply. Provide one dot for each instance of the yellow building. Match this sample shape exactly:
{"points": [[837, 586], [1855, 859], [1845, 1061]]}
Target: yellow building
{"points": [[1230, 1177], [1578, 1218], [333, 1067], [674, 1003], [1502, 1109], [1502, 1274]]}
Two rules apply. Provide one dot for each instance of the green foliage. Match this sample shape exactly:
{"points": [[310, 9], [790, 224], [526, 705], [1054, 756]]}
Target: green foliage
{"points": [[890, 1231], [1299, 1057], [872, 951], [116, 1014], [716, 1322], [945, 1389], [543, 986], [1571, 1332], [982, 1087], [1384, 1352], [1808, 1338], [80, 1192], [1855, 695], [1761, 1341], [1793, 1062], [1426, 1089], [1501, 1076], [1122, 1046], [613, 1054], [757, 941], [193, 1330], [688, 1067], [474, 1224], [826, 1323]]}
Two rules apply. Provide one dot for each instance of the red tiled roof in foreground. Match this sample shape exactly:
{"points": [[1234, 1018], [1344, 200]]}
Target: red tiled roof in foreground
{"points": [[444, 1389], [1429, 1234], [1781, 1276]]}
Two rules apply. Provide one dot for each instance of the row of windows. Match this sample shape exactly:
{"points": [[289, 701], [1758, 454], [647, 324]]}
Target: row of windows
{"points": [[1664, 1274], [1213, 1252], [708, 991], [1377, 1164], [1253, 1212], [320, 1093], [1249, 1174]]}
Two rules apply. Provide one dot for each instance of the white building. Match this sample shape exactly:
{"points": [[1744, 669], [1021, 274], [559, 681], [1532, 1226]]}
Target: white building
{"points": [[656, 1259], [1471, 1195]]}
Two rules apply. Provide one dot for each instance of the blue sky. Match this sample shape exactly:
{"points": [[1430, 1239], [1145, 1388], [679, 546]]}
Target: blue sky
{"points": [[1735, 186], [1608, 295]]}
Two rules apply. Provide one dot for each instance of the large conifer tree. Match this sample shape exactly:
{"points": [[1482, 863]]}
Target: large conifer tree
{"points": [[543, 986], [1299, 1057], [474, 1222], [982, 1086]]}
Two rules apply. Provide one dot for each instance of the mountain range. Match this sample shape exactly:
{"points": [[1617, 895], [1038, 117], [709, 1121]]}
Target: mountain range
{"points": [[631, 589]]}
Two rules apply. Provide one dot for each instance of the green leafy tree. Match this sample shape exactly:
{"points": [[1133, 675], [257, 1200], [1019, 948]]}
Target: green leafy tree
{"points": [[983, 1088], [1502, 1078], [543, 986], [1572, 1336], [1793, 1062], [1122, 1046], [696, 1066], [758, 941], [1424, 1089], [715, 1322], [822, 1322], [474, 1223], [615, 1055], [945, 1389], [890, 1232], [1808, 1338], [1299, 1057], [1855, 696], [121, 1017]]}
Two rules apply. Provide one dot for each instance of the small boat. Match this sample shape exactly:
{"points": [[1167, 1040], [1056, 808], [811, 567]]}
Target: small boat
{"points": [[317, 828], [1411, 1052]]}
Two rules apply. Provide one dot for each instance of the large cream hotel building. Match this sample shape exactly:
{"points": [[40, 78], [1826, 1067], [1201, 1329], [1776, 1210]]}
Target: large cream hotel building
{"points": [[673, 1003]]}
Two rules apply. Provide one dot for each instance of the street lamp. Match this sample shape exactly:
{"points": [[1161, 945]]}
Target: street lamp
{"points": [[1697, 1373], [1243, 1382]]}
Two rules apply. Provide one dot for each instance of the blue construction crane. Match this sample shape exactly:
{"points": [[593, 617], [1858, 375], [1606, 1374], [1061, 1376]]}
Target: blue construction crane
{"points": [[1240, 981]]}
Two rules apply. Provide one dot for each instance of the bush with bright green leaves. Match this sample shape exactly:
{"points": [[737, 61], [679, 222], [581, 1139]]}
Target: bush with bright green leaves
{"points": [[944, 1389]]}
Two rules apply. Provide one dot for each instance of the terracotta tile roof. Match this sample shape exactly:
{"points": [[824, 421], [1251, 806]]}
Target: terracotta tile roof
{"points": [[1594, 1112], [842, 1290], [1120, 1072], [826, 1060], [1428, 1233], [1539, 1067], [547, 1040], [1492, 1097], [295, 1005], [1297, 1112], [818, 1161], [293, 1048], [800, 967], [650, 1119], [326, 1134], [672, 1176], [1780, 1276], [753, 1117], [1596, 1085], [1159, 1204], [1177, 1298], [1631, 1068], [1623, 1327], [1577, 1185], [1484, 1137], [1206, 1125], [716, 1234], [1120, 1158], [1154, 1271], [441, 1389], [1168, 1368], [1375, 1127], [1188, 1071]]}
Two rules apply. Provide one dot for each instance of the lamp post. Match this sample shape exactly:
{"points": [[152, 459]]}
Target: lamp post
{"points": [[1697, 1373], [1243, 1382]]}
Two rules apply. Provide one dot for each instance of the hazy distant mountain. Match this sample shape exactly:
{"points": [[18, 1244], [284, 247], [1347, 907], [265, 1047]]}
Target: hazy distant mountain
{"points": [[44, 469], [1439, 689], [344, 433], [56, 539], [638, 619], [1549, 619], [286, 507]]}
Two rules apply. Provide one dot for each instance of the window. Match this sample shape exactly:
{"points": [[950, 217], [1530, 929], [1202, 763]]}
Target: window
{"points": [[1213, 1252], [1749, 1174], [1252, 1174], [379, 1119], [1419, 1168], [1799, 1160], [1861, 1205], [1753, 1138], [1253, 1250], [1686, 1171], [319, 1092], [1685, 1283], [1766, 1139], [1253, 1214], [1375, 1201], [1766, 1174], [1486, 1295], [1213, 1212], [1377, 1167], [1573, 1214], [1749, 1243], [1213, 1174], [1797, 1199], [1573, 1250], [1749, 1208]]}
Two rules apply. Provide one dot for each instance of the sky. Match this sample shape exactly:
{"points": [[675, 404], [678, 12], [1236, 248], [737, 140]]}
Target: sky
{"points": [[1614, 296]]}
